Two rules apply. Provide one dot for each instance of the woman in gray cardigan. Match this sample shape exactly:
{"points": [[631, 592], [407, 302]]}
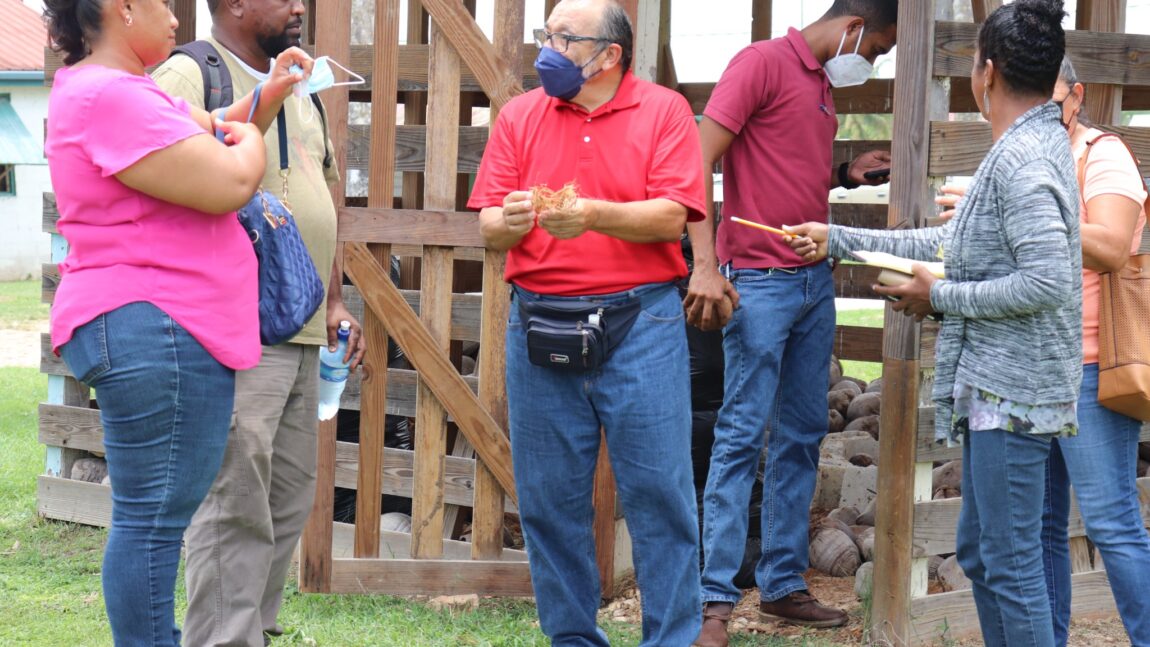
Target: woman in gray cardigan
{"points": [[1009, 352]]}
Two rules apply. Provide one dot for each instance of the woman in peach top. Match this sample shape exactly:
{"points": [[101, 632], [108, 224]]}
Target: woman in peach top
{"points": [[1100, 462]]}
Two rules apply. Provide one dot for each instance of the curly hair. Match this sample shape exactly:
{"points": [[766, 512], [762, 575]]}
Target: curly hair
{"points": [[1026, 41], [73, 25]]}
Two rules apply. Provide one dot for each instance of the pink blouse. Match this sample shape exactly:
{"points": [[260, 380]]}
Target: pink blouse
{"points": [[126, 246]]}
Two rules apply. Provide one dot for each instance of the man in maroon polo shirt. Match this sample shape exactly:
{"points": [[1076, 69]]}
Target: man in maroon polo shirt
{"points": [[631, 149], [772, 120]]}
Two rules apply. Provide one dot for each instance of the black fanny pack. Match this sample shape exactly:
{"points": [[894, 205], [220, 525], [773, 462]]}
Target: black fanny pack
{"points": [[575, 335]]}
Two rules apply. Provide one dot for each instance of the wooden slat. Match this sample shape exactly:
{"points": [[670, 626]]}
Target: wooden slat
{"points": [[332, 38], [50, 214], [439, 228], [74, 501], [957, 147], [1122, 59], [412, 61], [603, 523], [403, 325], [846, 150], [855, 281], [983, 8], [497, 79], [954, 611], [858, 343], [399, 543], [411, 148], [867, 216], [487, 513], [430, 577], [876, 96], [1103, 102], [935, 522], [893, 585], [70, 426], [49, 282], [398, 465], [185, 13]]}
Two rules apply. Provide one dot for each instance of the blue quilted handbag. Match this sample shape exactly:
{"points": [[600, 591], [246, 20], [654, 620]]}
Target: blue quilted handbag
{"points": [[290, 287]]}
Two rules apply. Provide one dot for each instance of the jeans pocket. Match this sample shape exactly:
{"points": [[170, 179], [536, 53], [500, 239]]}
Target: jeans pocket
{"points": [[86, 353]]}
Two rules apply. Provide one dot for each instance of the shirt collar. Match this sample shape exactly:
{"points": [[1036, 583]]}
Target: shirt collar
{"points": [[803, 50], [626, 96]]}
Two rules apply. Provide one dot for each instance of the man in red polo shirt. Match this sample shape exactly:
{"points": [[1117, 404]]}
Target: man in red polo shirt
{"points": [[772, 120], [631, 149]]}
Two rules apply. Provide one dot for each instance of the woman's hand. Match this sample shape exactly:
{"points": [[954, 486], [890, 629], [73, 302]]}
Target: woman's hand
{"points": [[948, 199], [913, 297], [281, 80], [236, 132], [809, 240]]}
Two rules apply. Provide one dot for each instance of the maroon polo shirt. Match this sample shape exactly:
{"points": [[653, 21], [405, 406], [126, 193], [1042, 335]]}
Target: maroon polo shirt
{"points": [[641, 145], [776, 98]]}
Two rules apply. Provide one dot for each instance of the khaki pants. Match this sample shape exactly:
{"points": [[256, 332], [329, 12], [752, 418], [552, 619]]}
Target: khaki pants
{"points": [[241, 540]]}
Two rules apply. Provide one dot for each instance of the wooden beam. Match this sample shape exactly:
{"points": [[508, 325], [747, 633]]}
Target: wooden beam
{"points": [[652, 30], [403, 226], [893, 587], [185, 13], [498, 81], [489, 439], [431, 577], [487, 513], [1103, 102], [761, 20], [603, 525], [1098, 56], [957, 147], [983, 8]]}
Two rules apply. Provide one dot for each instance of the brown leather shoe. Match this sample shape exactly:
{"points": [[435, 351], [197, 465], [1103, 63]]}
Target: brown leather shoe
{"points": [[801, 608], [715, 618]]}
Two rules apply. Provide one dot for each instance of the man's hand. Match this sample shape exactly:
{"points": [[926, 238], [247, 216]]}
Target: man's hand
{"points": [[869, 161], [809, 240], [356, 347], [949, 200], [282, 79], [914, 296], [570, 223], [711, 299], [518, 214]]}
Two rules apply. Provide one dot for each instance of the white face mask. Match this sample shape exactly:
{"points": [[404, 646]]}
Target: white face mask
{"points": [[846, 70]]}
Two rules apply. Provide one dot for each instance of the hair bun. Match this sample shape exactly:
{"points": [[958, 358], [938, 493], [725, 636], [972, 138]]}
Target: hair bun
{"points": [[1044, 10]]}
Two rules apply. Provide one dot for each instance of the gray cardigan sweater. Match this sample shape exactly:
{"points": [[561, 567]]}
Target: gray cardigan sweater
{"points": [[1012, 297]]}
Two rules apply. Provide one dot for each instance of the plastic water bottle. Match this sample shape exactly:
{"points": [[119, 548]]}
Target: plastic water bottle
{"points": [[333, 373]]}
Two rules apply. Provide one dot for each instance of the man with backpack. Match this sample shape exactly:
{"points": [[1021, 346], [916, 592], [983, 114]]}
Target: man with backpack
{"points": [[241, 540]]}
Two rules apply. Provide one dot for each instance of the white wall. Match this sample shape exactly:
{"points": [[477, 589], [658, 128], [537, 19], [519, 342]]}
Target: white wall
{"points": [[23, 244]]}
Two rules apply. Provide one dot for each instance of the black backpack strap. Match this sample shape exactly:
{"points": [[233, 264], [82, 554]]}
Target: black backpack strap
{"points": [[217, 78], [327, 159]]}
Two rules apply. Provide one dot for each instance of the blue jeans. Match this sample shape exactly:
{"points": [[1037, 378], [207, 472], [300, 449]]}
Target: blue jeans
{"points": [[777, 348], [1100, 463], [165, 404], [999, 535], [641, 398]]}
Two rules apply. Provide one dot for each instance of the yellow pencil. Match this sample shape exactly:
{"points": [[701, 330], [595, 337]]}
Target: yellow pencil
{"points": [[773, 230]]}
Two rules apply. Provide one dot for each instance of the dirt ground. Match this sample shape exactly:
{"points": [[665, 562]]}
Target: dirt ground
{"points": [[20, 347], [839, 592]]}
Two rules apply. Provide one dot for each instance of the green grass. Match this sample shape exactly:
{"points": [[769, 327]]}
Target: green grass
{"points": [[50, 591], [869, 318], [20, 307]]}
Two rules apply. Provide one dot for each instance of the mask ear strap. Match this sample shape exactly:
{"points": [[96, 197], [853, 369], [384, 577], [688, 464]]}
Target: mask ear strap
{"points": [[858, 44], [842, 41], [356, 79]]}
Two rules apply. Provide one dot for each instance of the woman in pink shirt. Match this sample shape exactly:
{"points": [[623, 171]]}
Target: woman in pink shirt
{"points": [[156, 307]]}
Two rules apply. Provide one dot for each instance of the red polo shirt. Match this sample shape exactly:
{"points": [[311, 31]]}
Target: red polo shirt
{"points": [[641, 145], [776, 98]]}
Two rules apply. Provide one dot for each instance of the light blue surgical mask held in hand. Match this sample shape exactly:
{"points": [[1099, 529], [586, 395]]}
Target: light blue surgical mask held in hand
{"points": [[322, 77], [852, 68]]}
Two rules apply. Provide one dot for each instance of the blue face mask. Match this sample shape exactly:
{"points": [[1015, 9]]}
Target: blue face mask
{"points": [[560, 76], [321, 78]]}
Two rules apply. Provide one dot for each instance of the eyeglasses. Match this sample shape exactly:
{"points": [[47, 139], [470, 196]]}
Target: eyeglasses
{"points": [[560, 42]]}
